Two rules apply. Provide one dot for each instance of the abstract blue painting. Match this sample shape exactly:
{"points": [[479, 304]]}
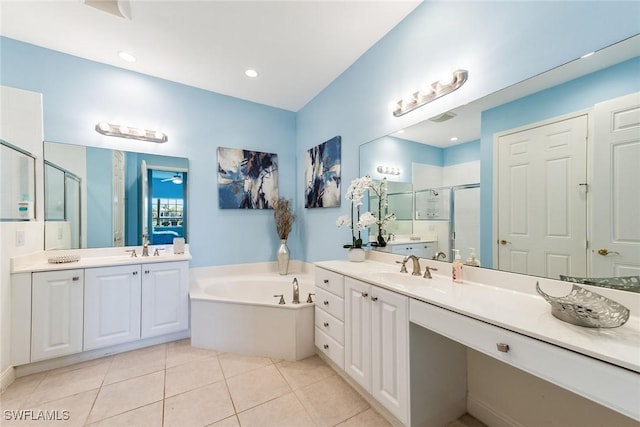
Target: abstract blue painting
{"points": [[322, 174], [247, 179]]}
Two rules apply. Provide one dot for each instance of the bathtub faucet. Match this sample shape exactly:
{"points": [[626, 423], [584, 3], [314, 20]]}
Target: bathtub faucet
{"points": [[296, 291]]}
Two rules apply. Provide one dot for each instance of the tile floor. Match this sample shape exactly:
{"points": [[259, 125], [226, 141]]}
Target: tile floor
{"points": [[175, 384]]}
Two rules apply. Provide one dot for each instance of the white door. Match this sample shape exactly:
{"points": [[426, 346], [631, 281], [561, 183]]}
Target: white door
{"points": [[118, 186], [165, 298], [111, 306], [542, 210], [357, 325], [615, 241], [390, 351], [56, 317]]}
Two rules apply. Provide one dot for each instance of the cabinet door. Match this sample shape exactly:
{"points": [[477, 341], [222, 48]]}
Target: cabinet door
{"points": [[358, 331], [56, 313], [165, 298], [111, 306], [390, 351]]}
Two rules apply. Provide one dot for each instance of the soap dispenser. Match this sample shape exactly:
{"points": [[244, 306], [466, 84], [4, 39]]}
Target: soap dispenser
{"points": [[456, 268], [473, 260]]}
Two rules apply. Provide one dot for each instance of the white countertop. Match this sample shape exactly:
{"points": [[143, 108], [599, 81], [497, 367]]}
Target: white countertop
{"points": [[525, 313], [89, 258]]}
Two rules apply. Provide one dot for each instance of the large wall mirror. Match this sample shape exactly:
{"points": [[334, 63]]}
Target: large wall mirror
{"points": [[96, 197], [540, 178]]}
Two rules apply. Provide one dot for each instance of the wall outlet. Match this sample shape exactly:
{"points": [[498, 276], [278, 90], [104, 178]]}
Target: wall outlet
{"points": [[20, 238]]}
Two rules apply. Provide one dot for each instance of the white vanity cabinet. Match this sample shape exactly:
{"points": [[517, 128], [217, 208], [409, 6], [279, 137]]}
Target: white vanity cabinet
{"points": [[99, 308], [329, 315], [377, 344], [111, 306], [421, 250], [56, 313], [165, 298]]}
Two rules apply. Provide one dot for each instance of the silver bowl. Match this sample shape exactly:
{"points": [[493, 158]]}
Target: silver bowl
{"points": [[586, 308]]}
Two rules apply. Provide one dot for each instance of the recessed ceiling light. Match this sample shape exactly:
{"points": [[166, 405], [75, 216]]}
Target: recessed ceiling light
{"points": [[453, 139], [400, 131], [126, 56], [251, 73]]}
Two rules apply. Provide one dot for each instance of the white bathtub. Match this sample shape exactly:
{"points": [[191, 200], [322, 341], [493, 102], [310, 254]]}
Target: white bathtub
{"points": [[239, 314]]}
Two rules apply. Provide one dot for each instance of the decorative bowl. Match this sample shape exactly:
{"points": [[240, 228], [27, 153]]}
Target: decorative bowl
{"points": [[586, 308], [62, 259]]}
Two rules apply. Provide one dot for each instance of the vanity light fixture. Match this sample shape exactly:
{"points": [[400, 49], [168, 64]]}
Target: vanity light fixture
{"points": [[434, 91], [388, 170], [129, 132]]}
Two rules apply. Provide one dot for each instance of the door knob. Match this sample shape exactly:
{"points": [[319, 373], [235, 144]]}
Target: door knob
{"points": [[605, 252], [504, 242]]}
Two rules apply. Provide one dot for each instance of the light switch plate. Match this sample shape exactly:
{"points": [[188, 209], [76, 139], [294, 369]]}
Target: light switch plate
{"points": [[20, 238]]}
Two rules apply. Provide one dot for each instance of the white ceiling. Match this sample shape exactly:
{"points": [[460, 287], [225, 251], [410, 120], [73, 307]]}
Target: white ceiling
{"points": [[299, 47]]}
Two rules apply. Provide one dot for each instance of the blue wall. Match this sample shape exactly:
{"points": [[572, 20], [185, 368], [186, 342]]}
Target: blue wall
{"points": [[461, 153], [576, 95], [78, 93]]}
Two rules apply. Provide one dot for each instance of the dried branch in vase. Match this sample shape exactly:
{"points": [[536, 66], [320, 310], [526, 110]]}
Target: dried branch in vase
{"points": [[284, 217]]}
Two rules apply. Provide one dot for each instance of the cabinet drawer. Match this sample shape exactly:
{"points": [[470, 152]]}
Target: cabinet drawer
{"points": [[607, 384], [332, 282], [330, 325], [332, 304], [330, 348]]}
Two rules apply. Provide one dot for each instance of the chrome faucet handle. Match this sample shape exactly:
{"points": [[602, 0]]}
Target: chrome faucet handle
{"points": [[309, 300], [133, 253], [403, 269], [156, 252], [427, 272], [281, 298]]}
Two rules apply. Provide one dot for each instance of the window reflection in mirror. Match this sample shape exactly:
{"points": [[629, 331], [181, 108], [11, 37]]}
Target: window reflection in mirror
{"points": [[110, 197]]}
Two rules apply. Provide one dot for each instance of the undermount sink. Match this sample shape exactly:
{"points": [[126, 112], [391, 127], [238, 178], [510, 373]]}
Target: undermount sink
{"points": [[402, 278]]}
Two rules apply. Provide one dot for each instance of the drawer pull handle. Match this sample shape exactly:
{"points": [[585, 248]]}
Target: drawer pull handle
{"points": [[75, 278], [325, 281], [502, 347], [326, 324], [135, 273], [326, 346], [325, 302], [374, 299], [146, 272], [364, 295]]}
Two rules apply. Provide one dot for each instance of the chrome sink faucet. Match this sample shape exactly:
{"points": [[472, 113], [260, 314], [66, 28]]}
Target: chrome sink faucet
{"points": [[145, 245], [296, 291], [416, 264], [438, 255]]}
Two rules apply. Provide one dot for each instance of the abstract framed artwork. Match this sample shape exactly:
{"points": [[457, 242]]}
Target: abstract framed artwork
{"points": [[247, 179], [322, 174]]}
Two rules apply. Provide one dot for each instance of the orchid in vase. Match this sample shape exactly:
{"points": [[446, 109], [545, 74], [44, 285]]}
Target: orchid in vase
{"points": [[359, 221]]}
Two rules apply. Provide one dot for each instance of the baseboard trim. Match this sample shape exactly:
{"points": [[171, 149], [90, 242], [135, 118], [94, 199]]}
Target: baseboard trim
{"points": [[489, 415], [45, 365], [7, 377]]}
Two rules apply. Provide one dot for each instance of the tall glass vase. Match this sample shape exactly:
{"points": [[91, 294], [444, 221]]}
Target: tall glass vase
{"points": [[283, 257]]}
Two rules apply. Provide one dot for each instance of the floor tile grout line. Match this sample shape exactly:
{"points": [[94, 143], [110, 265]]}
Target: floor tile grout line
{"points": [[95, 399]]}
